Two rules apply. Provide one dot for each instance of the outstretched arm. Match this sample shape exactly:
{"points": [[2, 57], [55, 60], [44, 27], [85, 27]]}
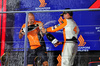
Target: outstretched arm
{"points": [[58, 28]]}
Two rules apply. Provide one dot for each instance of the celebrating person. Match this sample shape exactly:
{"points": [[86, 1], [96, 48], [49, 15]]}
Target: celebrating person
{"points": [[70, 33], [35, 37]]}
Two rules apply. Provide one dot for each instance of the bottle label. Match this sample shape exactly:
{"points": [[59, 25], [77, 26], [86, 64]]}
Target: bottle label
{"points": [[54, 41]]}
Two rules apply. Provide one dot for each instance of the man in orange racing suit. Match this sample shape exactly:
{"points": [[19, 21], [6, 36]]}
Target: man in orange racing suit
{"points": [[37, 44], [70, 32]]}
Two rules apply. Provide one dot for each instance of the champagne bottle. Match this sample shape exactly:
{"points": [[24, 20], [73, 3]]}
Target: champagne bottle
{"points": [[51, 38], [31, 27]]}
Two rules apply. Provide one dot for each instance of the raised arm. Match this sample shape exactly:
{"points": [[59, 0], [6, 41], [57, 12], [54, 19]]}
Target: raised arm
{"points": [[58, 28]]}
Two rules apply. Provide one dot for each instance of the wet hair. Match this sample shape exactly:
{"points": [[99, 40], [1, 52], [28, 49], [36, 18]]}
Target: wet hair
{"points": [[65, 12], [70, 12]]}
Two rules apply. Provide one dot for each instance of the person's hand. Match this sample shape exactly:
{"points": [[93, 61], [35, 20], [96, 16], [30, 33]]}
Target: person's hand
{"points": [[57, 44], [60, 19], [43, 30], [45, 63], [40, 24], [23, 33]]}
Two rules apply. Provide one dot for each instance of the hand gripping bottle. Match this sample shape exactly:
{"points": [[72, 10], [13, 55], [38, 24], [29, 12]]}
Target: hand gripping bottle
{"points": [[51, 38]]}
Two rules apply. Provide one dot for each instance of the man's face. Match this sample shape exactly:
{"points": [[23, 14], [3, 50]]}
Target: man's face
{"points": [[65, 16], [31, 19]]}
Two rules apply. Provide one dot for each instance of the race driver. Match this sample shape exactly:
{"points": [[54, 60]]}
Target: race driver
{"points": [[70, 33]]}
